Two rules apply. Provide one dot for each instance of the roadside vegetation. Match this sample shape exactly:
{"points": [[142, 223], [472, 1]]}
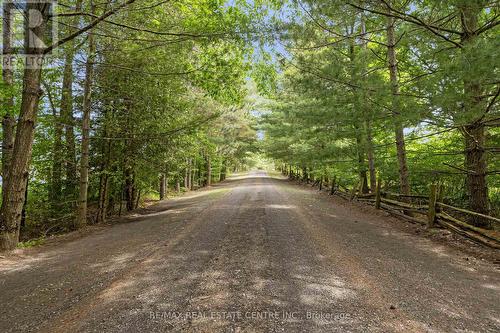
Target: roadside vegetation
{"points": [[139, 98], [401, 92]]}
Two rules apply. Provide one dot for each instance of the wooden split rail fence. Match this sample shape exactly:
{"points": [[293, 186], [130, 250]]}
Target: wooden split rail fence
{"points": [[427, 210]]}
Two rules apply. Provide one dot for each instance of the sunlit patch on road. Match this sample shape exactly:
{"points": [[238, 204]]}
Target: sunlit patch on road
{"points": [[281, 206]]}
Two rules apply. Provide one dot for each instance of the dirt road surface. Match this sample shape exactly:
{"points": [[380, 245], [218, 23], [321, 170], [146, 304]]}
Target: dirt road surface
{"points": [[254, 254]]}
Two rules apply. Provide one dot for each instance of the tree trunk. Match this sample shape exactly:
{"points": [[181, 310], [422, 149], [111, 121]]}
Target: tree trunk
{"points": [[305, 176], [66, 112], [476, 166], [81, 219], [223, 171], [192, 172], [69, 123], [55, 194], [404, 182], [8, 132], [371, 157], [129, 188], [137, 199], [162, 186], [15, 183], [104, 178], [198, 174], [103, 198], [475, 132], [209, 171], [361, 160], [359, 109], [8, 121], [25, 204], [190, 175], [121, 201], [367, 115]]}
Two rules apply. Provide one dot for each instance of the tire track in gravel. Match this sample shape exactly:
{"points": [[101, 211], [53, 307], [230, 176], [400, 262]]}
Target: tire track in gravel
{"points": [[267, 266], [375, 314]]}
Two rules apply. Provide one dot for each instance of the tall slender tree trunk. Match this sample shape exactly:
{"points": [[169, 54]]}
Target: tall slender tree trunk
{"points": [[104, 179], [129, 188], [404, 182], [186, 179], [223, 171], [81, 219], [361, 161], [305, 175], [192, 174], [189, 175], [209, 171], [358, 105], [67, 113], [15, 183], [137, 199], [56, 186], [367, 115], [475, 132], [8, 121], [198, 174], [103, 198], [25, 204], [371, 156], [162, 186], [69, 123]]}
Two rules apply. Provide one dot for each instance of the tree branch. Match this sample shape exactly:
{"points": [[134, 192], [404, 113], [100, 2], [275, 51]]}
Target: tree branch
{"points": [[415, 20], [88, 27]]}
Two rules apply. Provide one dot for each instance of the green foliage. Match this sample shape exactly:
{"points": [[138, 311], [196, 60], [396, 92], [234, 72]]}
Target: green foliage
{"points": [[334, 101], [31, 243], [168, 97]]}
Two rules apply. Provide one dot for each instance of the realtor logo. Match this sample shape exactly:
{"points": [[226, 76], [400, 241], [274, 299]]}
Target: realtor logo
{"points": [[29, 27]]}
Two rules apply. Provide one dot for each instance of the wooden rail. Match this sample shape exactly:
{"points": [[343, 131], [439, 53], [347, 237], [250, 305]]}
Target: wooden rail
{"points": [[491, 218], [430, 214]]}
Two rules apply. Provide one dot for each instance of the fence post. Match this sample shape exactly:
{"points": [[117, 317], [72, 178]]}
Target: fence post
{"points": [[353, 192], [432, 205], [332, 190], [378, 194]]}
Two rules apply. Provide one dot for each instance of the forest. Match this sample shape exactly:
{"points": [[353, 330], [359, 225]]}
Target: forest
{"points": [[136, 100], [404, 92]]}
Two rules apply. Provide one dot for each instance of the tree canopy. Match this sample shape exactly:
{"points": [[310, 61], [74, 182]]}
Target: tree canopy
{"points": [[136, 98]]}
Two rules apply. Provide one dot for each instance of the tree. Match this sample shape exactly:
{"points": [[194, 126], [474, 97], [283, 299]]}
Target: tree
{"points": [[16, 180]]}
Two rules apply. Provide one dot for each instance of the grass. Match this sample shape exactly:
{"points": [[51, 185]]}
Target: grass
{"points": [[31, 243]]}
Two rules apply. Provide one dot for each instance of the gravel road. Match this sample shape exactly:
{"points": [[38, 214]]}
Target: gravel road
{"points": [[254, 254]]}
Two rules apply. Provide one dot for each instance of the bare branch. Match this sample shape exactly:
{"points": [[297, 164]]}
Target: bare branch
{"points": [[89, 26]]}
